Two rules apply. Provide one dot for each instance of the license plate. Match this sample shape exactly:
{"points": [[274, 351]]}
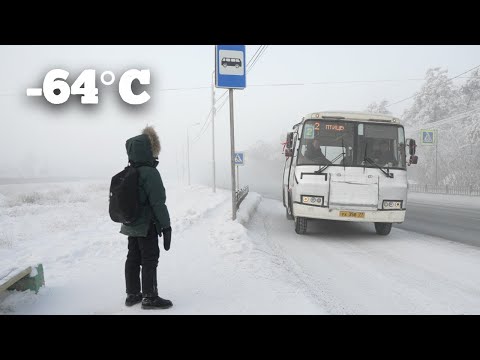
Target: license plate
{"points": [[353, 214]]}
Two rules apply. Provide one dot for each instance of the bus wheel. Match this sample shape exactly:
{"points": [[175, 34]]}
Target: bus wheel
{"points": [[383, 228], [300, 225], [289, 215]]}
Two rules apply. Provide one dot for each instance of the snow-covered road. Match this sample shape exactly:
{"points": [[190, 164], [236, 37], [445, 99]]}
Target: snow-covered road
{"points": [[351, 270], [452, 217]]}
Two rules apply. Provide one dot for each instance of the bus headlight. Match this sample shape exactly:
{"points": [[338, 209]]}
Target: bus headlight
{"points": [[312, 200], [392, 204]]}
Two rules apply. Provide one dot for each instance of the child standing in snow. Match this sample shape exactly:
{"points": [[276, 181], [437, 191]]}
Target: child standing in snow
{"points": [[153, 221]]}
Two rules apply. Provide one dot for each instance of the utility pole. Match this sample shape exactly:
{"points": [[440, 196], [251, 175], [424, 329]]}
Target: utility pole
{"points": [[232, 155], [188, 151], [183, 163], [238, 181], [188, 157], [213, 129], [176, 162]]}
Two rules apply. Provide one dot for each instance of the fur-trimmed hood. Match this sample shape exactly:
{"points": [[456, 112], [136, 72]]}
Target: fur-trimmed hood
{"points": [[143, 150], [154, 140]]}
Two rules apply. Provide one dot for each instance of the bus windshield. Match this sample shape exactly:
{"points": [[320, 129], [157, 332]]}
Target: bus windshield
{"points": [[348, 143]]}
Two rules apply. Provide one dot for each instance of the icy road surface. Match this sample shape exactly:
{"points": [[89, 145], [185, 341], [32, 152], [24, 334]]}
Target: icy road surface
{"points": [[351, 270]]}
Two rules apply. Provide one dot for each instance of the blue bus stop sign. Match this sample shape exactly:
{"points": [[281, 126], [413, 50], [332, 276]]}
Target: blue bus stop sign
{"points": [[230, 67]]}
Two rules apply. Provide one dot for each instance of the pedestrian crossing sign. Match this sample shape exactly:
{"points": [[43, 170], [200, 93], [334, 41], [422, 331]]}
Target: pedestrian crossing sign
{"points": [[239, 158], [429, 137]]}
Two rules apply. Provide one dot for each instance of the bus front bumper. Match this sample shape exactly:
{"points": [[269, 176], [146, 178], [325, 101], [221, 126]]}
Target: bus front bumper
{"points": [[317, 212]]}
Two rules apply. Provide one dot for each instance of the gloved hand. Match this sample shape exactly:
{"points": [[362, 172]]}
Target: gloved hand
{"points": [[167, 237]]}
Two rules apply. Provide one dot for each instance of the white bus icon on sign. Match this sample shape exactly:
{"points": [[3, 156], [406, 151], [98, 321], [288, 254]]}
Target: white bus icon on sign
{"points": [[231, 62]]}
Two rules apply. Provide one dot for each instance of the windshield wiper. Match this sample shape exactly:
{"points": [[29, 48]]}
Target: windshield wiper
{"points": [[321, 169], [387, 173]]}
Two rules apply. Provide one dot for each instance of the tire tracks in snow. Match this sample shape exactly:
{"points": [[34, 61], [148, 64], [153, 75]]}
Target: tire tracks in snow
{"points": [[350, 270], [260, 232]]}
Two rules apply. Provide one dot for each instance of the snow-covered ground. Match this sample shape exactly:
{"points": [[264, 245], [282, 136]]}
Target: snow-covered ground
{"points": [[213, 267], [255, 265]]}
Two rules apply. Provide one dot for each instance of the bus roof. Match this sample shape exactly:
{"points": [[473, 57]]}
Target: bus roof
{"points": [[352, 115]]}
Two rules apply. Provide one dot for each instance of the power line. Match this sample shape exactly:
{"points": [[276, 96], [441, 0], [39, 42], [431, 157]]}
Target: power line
{"points": [[205, 125], [217, 111], [221, 106], [225, 93], [262, 51], [254, 55], [258, 57], [338, 82], [278, 85], [205, 129], [446, 120], [444, 83]]}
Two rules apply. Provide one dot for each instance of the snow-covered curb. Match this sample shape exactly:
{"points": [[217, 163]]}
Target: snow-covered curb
{"points": [[248, 207]]}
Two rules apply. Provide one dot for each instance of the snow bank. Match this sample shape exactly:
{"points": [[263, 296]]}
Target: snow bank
{"points": [[66, 226], [190, 203], [213, 266], [248, 207]]}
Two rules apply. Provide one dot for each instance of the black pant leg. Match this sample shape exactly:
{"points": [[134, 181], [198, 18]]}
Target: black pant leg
{"points": [[132, 266], [150, 253]]}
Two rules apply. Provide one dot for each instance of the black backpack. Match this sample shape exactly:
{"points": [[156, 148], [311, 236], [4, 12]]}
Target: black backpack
{"points": [[124, 204]]}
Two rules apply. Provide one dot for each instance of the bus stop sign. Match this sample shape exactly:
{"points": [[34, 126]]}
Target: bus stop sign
{"points": [[230, 67]]}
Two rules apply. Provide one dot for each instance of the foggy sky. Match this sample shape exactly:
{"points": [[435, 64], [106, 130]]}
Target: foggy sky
{"points": [[40, 139]]}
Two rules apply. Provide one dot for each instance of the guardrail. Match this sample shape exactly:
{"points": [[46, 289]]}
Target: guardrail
{"points": [[445, 189], [240, 195]]}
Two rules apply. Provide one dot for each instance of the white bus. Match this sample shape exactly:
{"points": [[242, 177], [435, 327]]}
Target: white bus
{"points": [[347, 166]]}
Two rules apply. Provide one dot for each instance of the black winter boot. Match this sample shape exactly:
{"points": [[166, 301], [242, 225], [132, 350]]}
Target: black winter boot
{"points": [[133, 299], [155, 302]]}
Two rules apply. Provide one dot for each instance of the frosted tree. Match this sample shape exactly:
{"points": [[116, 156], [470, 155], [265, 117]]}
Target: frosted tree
{"points": [[471, 96], [436, 100], [471, 89], [458, 136], [380, 108], [473, 129]]}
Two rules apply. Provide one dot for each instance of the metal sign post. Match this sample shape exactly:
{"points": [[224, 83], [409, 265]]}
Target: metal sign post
{"points": [[239, 161], [230, 73], [213, 134], [232, 154]]}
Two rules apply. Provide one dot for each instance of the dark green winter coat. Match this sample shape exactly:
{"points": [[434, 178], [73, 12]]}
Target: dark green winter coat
{"points": [[142, 155]]}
